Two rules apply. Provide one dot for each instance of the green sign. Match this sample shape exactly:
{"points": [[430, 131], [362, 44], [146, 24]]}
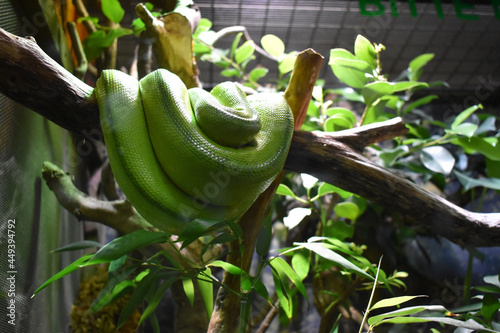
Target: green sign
{"points": [[463, 10]]}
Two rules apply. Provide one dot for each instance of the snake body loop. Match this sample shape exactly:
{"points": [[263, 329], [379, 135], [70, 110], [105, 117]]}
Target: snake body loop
{"points": [[181, 154]]}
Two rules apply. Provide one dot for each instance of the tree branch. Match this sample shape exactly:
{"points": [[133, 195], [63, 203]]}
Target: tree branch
{"points": [[48, 89]]}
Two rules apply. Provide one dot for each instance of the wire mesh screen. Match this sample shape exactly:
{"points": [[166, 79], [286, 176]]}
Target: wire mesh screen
{"points": [[465, 40]]}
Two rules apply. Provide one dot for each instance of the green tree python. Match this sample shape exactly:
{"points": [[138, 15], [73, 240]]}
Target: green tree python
{"points": [[180, 154]]}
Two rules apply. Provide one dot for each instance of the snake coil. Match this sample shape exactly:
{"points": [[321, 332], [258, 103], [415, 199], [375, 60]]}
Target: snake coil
{"points": [[181, 154]]}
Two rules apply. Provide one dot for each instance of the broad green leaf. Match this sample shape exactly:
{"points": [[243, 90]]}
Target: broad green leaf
{"points": [[77, 246], [273, 45], [407, 85], [285, 190], [188, 286], [229, 72], [490, 307], [157, 297], [264, 238], [419, 102], [338, 229], [348, 114], [206, 290], [416, 65], [286, 63], [78, 263], [393, 301], [348, 93], [301, 262], [317, 93], [328, 254], [282, 267], [337, 122], [437, 159], [326, 188], [373, 91], [468, 182], [364, 50], [244, 52], [492, 168], [204, 25], [464, 115], [113, 10], [346, 209], [258, 73], [480, 145], [341, 53], [351, 72], [230, 268], [147, 284], [126, 244], [465, 129]]}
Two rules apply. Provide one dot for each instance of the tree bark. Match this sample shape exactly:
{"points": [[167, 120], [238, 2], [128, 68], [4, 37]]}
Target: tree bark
{"points": [[48, 89]]}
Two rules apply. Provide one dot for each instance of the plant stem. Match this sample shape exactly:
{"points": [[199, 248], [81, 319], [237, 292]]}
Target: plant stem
{"points": [[365, 317]]}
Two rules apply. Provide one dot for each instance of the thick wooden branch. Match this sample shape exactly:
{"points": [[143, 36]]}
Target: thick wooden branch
{"points": [[31, 78], [338, 163]]}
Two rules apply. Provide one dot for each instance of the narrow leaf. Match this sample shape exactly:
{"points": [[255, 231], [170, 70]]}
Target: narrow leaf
{"points": [[322, 251], [77, 246], [393, 301], [282, 267], [65, 271], [158, 295], [464, 115], [206, 290], [230, 268], [126, 244], [188, 286]]}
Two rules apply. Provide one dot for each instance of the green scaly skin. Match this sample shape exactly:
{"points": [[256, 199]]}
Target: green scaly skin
{"points": [[170, 169]]}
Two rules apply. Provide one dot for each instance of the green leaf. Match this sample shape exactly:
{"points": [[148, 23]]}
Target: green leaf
{"points": [[326, 188], [346, 209], [337, 122], [468, 183], [273, 45], [229, 72], [465, 129], [206, 290], [126, 244], [295, 216], [188, 286], [235, 44], [407, 85], [437, 159], [364, 50], [148, 283], [401, 313], [258, 73], [65, 271], [113, 10], [281, 291], [419, 102], [416, 65], [351, 72], [328, 254], [373, 91], [301, 262], [490, 307], [157, 297], [244, 52], [230, 268], [282, 267], [338, 229], [480, 145], [286, 63], [393, 301], [77, 246], [285, 190], [341, 53], [492, 279], [348, 114], [261, 289], [464, 115]]}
